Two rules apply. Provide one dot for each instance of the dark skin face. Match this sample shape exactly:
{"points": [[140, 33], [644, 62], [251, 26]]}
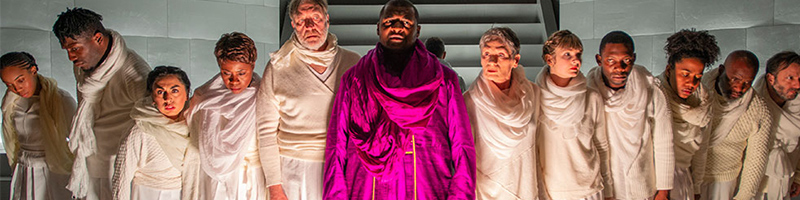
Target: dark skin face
{"points": [[398, 28], [616, 60], [86, 51], [685, 76], [735, 78]]}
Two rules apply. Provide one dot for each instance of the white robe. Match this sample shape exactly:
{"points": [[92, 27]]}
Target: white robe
{"points": [[572, 140], [639, 134], [224, 126], [32, 178], [294, 105], [156, 161], [504, 126], [105, 99]]}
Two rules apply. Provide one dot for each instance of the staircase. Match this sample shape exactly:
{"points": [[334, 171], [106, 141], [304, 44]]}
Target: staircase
{"points": [[460, 23]]}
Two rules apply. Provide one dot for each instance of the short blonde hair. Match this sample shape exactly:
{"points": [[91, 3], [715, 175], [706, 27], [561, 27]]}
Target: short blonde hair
{"points": [[563, 39]]}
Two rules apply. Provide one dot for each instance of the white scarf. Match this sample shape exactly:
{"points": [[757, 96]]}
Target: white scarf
{"points": [[502, 120], [626, 108], [564, 106], [90, 87], [223, 123], [293, 49], [786, 124], [689, 115], [726, 112], [172, 136]]}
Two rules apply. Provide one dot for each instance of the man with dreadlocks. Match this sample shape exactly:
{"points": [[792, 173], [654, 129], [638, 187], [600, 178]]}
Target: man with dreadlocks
{"points": [[688, 53], [111, 78]]}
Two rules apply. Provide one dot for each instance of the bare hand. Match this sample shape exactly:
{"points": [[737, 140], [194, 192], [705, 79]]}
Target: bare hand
{"points": [[795, 189], [662, 195], [276, 193]]}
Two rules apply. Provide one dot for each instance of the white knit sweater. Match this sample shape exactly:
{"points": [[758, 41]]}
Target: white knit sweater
{"points": [[744, 150], [641, 144], [294, 107]]}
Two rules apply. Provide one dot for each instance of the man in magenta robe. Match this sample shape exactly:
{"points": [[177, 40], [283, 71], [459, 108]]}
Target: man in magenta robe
{"points": [[399, 128]]}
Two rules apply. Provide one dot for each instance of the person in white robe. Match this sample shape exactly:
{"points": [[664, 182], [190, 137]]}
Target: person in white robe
{"points": [[502, 104], [638, 121], [222, 120], [688, 53], [295, 99], [111, 78], [36, 120], [572, 143], [779, 88], [739, 140], [157, 161]]}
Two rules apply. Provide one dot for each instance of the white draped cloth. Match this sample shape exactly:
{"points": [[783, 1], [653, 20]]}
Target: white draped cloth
{"points": [[726, 112], [639, 132], [225, 126], [784, 156], [504, 124], [34, 134], [572, 140], [690, 118], [152, 160], [106, 96]]}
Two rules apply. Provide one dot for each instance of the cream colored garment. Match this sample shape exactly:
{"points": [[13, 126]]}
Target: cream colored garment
{"points": [[32, 180], [55, 108], [294, 105], [684, 186], [690, 118], [726, 112], [572, 140], [639, 134], [784, 156], [301, 179], [103, 114], [224, 123], [153, 154], [505, 134]]}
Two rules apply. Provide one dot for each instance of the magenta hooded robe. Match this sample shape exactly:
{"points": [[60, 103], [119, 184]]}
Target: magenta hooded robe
{"points": [[396, 137]]}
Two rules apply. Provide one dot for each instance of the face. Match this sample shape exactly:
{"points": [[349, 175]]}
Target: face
{"points": [[687, 73], [785, 83], [497, 62], [311, 26], [236, 75], [85, 51], [397, 28], [737, 79], [565, 63], [21, 81], [616, 61], [169, 96]]}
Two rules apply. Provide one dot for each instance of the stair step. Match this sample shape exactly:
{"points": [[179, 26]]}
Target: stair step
{"points": [[442, 13], [358, 34], [469, 55]]}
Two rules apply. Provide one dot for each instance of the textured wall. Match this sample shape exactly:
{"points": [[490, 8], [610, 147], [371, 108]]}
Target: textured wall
{"points": [[764, 27], [164, 32]]}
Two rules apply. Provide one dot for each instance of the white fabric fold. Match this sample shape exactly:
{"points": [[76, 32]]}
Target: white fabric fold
{"points": [[90, 86], [786, 129], [625, 108], [726, 111], [222, 122], [688, 115], [504, 119], [563, 105], [172, 136], [293, 50]]}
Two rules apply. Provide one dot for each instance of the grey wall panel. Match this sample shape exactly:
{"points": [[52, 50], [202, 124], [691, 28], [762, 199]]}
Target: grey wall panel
{"points": [[637, 17], [579, 19], [140, 17], [722, 15]]}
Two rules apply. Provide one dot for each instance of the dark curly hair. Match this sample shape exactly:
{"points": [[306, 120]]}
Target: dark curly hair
{"points": [[162, 71], [618, 37], [692, 44], [77, 22], [22, 59], [236, 46]]}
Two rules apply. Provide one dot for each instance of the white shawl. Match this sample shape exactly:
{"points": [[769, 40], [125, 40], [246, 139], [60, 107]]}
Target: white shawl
{"points": [[90, 87], [502, 120], [786, 130], [726, 112], [294, 50], [689, 115], [625, 108], [222, 122], [563, 105]]}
